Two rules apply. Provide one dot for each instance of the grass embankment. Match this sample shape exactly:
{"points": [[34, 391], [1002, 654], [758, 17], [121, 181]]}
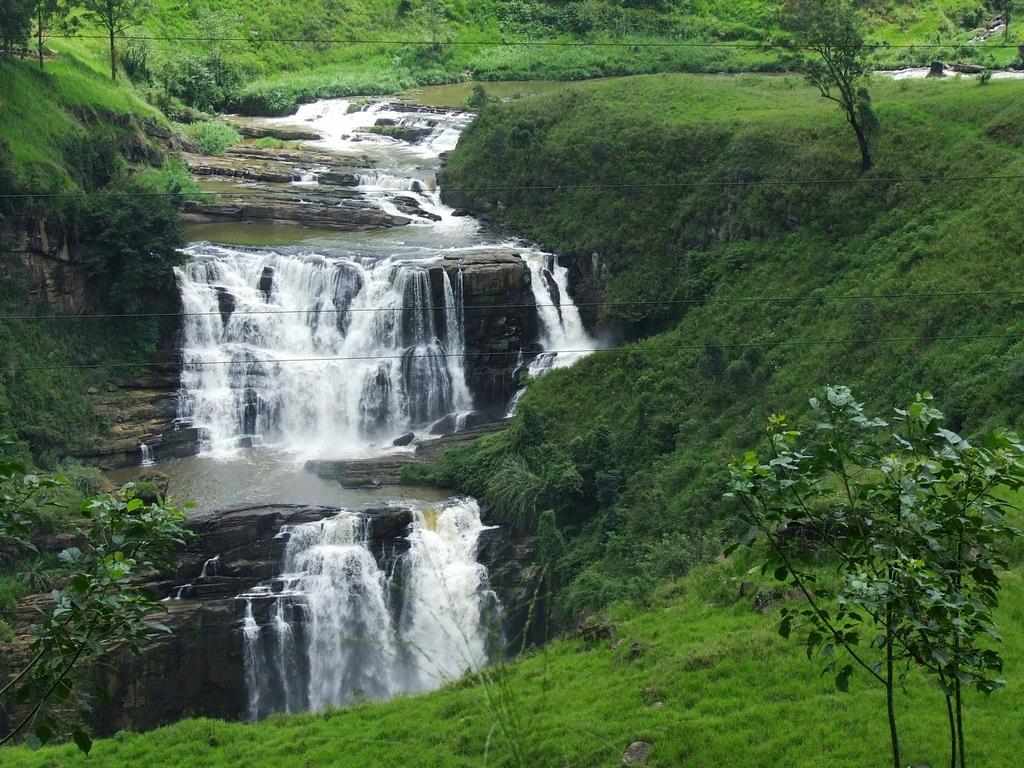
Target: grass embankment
{"points": [[252, 73], [792, 286], [733, 694], [69, 131]]}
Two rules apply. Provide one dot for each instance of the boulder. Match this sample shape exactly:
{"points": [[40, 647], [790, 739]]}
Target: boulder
{"points": [[266, 284], [937, 69], [637, 753], [404, 440], [967, 69]]}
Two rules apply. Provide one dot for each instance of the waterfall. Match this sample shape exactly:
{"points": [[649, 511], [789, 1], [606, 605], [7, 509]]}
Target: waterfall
{"points": [[262, 330], [560, 321], [336, 627], [146, 453]]}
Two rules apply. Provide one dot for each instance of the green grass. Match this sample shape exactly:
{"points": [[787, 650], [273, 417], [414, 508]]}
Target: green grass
{"points": [[734, 694], [679, 403], [263, 76], [48, 119]]}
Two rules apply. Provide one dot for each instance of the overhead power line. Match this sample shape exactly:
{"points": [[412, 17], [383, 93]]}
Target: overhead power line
{"points": [[500, 42], [492, 307], [555, 187], [638, 350]]}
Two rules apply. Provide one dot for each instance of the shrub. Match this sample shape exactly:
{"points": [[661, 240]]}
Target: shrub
{"points": [[213, 136], [268, 142]]}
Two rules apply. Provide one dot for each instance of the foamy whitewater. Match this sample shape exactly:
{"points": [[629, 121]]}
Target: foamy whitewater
{"points": [[331, 351], [339, 627]]}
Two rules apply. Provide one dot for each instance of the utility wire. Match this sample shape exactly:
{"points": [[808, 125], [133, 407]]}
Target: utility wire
{"points": [[626, 350], [472, 307], [256, 39], [550, 187]]}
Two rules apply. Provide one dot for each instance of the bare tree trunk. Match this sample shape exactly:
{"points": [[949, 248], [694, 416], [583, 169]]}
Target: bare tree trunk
{"points": [[39, 25], [113, 54], [952, 731], [891, 690]]}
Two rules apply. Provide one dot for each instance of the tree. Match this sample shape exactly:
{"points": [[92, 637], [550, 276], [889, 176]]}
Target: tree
{"points": [[46, 13], [15, 25], [97, 609], [829, 29], [131, 235], [1005, 8], [911, 523], [114, 16]]}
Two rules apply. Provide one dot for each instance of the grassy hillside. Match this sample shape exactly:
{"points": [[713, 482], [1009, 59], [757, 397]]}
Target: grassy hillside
{"points": [[69, 130], [248, 73], [785, 287], [732, 693]]}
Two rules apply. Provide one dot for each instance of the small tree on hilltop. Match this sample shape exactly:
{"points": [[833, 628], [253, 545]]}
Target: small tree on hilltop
{"points": [[839, 69], [15, 25], [47, 13], [911, 520], [115, 16]]}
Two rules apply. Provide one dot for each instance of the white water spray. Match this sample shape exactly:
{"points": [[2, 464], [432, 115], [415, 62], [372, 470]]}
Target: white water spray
{"points": [[337, 628]]}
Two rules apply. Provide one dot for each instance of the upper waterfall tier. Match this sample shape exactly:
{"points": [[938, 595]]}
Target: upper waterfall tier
{"points": [[336, 349]]}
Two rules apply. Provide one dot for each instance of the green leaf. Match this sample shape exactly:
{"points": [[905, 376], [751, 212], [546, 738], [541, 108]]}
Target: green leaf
{"points": [[82, 740], [843, 678]]}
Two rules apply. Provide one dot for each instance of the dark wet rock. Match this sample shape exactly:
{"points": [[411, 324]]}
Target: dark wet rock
{"points": [[225, 303], [967, 69], [279, 168], [454, 423], [337, 178], [500, 319], [254, 130], [403, 440], [266, 285], [307, 210], [937, 69], [410, 206], [152, 128]]}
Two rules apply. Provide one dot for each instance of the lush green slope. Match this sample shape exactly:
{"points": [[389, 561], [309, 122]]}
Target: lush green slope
{"points": [[250, 72], [733, 694], [784, 287], [70, 132]]}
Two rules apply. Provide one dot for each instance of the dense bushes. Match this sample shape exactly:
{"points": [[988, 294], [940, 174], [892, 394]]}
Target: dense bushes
{"points": [[213, 136]]}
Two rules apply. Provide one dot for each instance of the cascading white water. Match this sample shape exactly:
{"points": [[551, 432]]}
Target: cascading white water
{"points": [[332, 352], [146, 454], [253, 319], [562, 329], [331, 632]]}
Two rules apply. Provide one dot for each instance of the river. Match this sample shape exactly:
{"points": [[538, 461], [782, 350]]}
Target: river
{"points": [[310, 344]]}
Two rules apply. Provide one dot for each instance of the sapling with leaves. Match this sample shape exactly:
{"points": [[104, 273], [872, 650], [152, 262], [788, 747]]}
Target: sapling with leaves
{"points": [[98, 609], [907, 524]]}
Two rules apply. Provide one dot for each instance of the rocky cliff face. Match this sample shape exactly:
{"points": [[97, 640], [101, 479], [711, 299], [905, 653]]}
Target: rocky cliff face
{"points": [[500, 319], [199, 670]]}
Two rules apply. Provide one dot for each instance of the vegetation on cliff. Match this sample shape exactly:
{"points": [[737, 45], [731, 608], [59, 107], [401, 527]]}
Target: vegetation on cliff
{"points": [[664, 191], [76, 145]]}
